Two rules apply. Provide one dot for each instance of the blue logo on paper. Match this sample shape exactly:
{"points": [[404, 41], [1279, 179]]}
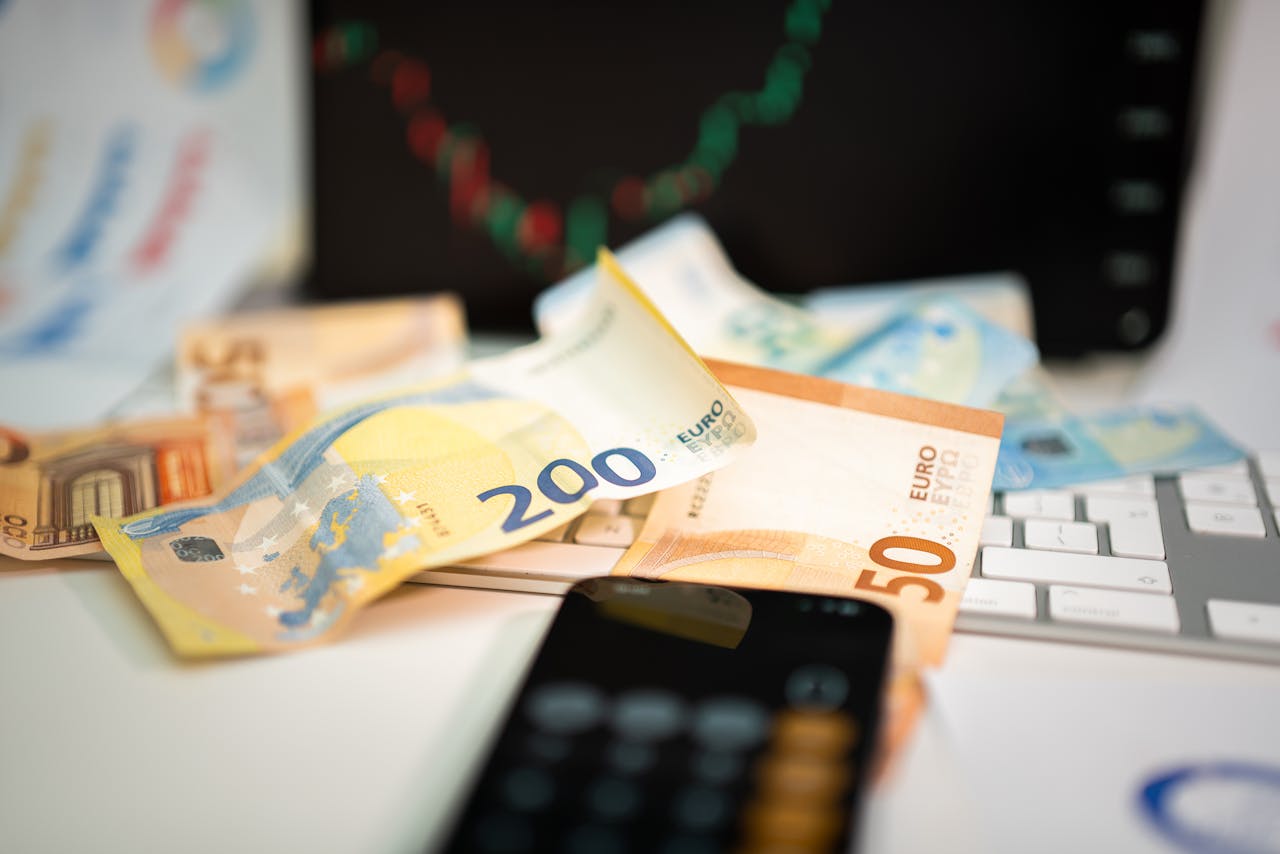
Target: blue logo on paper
{"points": [[1216, 808]]}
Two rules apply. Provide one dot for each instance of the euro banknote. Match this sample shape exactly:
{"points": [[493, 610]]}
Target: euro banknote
{"points": [[687, 274], [1002, 298], [938, 348], [513, 446], [932, 347], [263, 374], [1030, 396], [847, 490], [1065, 449], [52, 484]]}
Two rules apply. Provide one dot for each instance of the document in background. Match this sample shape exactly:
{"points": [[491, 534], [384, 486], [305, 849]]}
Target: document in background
{"points": [[1062, 764], [150, 169]]}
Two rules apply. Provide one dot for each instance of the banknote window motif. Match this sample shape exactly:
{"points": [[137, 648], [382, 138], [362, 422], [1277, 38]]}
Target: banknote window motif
{"points": [[196, 549]]}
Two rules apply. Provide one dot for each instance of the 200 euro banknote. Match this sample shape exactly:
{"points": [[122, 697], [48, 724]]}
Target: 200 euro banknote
{"points": [[346, 508]]}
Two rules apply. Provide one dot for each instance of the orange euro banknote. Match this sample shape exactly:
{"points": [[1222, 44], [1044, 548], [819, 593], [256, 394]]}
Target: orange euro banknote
{"points": [[848, 491], [52, 483], [263, 374]]}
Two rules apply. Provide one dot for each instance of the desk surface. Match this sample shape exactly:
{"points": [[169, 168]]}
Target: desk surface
{"points": [[110, 744]]}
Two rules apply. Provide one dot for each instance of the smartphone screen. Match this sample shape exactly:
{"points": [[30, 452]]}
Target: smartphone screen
{"points": [[686, 718]]}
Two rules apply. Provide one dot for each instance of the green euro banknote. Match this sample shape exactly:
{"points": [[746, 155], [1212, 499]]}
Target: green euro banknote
{"points": [[344, 509], [934, 347], [1061, 450]]}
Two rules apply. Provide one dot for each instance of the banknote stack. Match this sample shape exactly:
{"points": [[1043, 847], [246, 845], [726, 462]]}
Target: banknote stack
{"points": [[321, 456], [930, 345]]}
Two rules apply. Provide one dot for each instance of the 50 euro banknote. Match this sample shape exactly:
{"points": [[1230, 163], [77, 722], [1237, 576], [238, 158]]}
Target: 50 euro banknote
{"points": [[263, 374], [847, 491], [346, 508], [51, 484]]}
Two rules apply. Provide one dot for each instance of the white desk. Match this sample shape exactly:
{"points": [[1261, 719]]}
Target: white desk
{"points": [[111, 744]]}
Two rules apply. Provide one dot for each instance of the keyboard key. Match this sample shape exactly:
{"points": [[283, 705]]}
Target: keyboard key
{"points": [[1246, 621], [1145, 611], [1239, 467], [615, 531], [606, 507], [555, 535], [1269, 462], [1121, 573], [996, 531], [1136, 485], [1001, 598], [1040, 503], [1133, 524], [640, 506], [1227, 489], [1225, 519], [1057, 536], [1106, 508]]}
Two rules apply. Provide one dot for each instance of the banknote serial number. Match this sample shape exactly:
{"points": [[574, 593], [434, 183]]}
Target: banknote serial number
{"points": [[602, 468], [943, 477]]}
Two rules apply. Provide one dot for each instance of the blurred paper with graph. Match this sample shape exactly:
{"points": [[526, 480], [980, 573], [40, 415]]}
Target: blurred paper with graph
{"points": [[150, 171]]}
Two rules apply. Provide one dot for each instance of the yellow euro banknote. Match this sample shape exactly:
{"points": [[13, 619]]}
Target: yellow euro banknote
{"points": [[52, 484], [849, 491], [263, 374], [344, 509]]}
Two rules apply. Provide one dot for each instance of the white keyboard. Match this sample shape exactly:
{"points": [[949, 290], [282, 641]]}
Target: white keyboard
{"points": [[1189, 563]]}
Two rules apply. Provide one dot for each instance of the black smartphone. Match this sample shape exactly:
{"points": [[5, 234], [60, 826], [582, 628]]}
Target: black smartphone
{"points": [[686, 718]]}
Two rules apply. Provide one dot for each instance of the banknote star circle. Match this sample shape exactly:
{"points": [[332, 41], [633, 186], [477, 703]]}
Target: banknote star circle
{"points": [[380, 479], [246, 589], [268, 542], [406, 497], [412, 522], [246, 570], [338, 481], [272, 611], [355, 584], [300, 507]]}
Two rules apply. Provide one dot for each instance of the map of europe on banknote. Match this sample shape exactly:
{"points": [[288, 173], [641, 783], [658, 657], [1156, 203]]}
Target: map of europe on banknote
{"points": [[346, 508]]}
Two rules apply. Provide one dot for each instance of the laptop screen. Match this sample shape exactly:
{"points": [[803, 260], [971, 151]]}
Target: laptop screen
{"points": [[488, 147]]}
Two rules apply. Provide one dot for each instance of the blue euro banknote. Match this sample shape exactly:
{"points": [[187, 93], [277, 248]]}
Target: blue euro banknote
{"points": [[1052, 452], [937, 348]]}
